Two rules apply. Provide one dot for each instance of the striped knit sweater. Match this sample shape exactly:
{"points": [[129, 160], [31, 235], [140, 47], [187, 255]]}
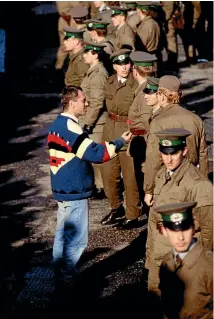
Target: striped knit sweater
{"points": [[71, 154]]}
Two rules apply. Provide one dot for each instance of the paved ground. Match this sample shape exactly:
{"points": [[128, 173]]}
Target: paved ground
{"points": [[113, 277]]}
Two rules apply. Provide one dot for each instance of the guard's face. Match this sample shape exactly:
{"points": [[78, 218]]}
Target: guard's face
{"points": [[122, 70], [173, 161], [116, 20], [88, 57], [70, 44], [180, 240], [151, 99], [80, 105]]}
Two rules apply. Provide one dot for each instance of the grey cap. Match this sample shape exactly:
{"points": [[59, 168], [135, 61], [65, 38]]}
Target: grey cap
{"points": [[79, 12], [96, 24], [172, 140], [170, 82], [141, 58], [151, 85], [144, 5], [177, 216], [118, 10], [71, 32], [121, 56], [94, 46]]}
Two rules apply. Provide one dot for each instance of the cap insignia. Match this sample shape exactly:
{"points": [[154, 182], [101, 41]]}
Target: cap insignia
{"points": [[176, 218], [113, 12], [166, 143], [121, 57], [90, 25]]}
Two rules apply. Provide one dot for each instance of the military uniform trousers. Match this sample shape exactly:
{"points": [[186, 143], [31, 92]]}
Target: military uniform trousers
{"points": [[61, 54], [112, 171]]}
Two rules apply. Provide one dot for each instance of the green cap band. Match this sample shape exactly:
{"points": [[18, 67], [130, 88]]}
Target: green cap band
{"points": [[169, 143], [142, 7], [120, 58], [93, 48], [74, 35], [175, 217], [143, 63], [152, 87], [116, 12], [96, 25]]}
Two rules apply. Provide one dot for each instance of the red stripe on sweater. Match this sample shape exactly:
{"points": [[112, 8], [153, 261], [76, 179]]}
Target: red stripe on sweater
{"points": [[56, 161], [106, 156], [58, 140]]}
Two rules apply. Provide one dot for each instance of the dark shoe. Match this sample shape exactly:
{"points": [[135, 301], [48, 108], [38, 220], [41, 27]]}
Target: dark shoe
{"points": [[128, 224], [100, 194], [113, 216]]}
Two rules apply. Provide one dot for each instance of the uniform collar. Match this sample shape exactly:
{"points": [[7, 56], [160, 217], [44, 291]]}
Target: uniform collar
{"points": [[73, 56], [178, 174], [184, 254], [93, 68]]}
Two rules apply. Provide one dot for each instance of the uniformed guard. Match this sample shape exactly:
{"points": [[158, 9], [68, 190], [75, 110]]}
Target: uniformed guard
{"points": [[188, 267], [133, 18], [77, 68], [173, 115], [98, 32], [79, 14], [125, 37], [177, 181], [140, 114], [144, 64], [93, 86], [119, 90], [63, 8], [148, 30]]}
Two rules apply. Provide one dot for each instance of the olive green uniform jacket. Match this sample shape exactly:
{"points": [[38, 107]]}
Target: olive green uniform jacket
{"points": [[149, 33], [93, 86], [119, 98], [186, 184], [188, 292], [140, 113], [175, 116], [125, 35], [77, 69], [133, 20]]}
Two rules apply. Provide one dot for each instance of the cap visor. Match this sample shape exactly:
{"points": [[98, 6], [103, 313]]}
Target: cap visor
{"points": [[148, 91], [170, 150], [126, 61], [184, 225]]}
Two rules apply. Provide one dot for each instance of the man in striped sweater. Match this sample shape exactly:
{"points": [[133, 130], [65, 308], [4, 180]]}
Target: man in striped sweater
{"points": [[72, 181]]}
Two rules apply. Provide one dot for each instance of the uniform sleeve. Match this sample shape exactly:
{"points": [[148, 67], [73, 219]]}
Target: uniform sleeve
{"points": [[196, 12], [140, 113], [204, 217], [97, 97], [202, 193], [88, 150], [152, 163], [203, 155], [128, 38]]}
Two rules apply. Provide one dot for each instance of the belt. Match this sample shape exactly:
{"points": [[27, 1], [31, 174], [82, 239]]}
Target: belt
{"points": [[136, 131], [117, 118]]}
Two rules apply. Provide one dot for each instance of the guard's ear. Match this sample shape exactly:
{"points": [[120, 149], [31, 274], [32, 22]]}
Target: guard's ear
{"points": [[185, 151]]}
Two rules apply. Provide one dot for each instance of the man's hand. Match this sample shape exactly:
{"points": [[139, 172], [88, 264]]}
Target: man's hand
{"points": [[127, 136], [148, 199]]}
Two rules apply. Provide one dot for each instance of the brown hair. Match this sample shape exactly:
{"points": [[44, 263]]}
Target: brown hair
{"points": [[69, 93], [172, 97], [146, 70]]}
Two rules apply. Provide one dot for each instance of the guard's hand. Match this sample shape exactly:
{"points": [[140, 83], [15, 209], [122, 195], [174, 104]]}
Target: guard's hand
{"points": [[88, 129], [148, 199], [127, 136]]}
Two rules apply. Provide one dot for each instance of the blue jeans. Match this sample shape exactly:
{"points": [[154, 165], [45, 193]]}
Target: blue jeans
{"points": [[71, 237], [2, 51]]}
